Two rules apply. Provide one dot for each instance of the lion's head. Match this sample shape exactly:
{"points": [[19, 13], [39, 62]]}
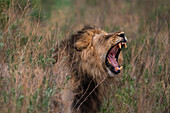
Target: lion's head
{"points": [[101, 48], [89, 56]]}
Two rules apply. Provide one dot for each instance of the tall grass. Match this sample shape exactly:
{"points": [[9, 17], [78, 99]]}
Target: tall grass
{"points": [[29, 33]]}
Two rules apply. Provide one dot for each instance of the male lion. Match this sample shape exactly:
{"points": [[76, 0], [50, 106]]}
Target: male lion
{"points": [[91, 58]]}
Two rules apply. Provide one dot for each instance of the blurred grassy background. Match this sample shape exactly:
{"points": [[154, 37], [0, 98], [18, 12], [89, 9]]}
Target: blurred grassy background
{"points": [[30, 30]]}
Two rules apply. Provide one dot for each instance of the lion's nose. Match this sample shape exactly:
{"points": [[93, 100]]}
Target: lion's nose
{"points": [[122, 35]]}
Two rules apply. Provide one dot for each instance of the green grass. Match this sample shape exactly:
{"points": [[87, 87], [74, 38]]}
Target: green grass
{"points": [[28, 39]]}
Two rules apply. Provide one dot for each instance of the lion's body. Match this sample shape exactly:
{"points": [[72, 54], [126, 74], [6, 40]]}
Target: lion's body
{"points": [[80, 58]]}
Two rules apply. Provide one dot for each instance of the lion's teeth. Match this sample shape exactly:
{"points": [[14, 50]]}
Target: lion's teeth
{"points": [[117, 68], [109, 60], [125, 45], [120, 46]]}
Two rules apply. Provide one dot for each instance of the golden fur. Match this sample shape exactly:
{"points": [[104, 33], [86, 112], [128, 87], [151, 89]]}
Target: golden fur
{"points": [[80, 67]]}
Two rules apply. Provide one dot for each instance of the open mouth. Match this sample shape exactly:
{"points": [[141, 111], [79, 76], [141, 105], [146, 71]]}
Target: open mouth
{"points": [[112, 57]]}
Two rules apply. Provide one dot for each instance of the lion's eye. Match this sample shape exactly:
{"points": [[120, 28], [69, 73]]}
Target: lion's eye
{"points": [[107, 36]]}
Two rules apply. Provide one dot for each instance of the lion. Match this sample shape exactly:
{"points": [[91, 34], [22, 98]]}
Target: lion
{"points": [[86, 65]]}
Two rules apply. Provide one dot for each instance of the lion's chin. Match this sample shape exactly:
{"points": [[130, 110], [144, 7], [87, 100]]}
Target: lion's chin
{"points": [[110, 73]]}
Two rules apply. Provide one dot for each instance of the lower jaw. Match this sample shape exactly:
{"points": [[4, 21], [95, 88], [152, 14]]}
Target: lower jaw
{"points": [[111, 68], [111, 74]]}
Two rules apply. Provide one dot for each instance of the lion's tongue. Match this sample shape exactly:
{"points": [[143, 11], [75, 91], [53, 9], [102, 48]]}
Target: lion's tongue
{"points": [[113, 60]]}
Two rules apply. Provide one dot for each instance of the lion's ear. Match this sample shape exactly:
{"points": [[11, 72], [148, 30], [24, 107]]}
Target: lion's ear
{"points": [[84, 41]]}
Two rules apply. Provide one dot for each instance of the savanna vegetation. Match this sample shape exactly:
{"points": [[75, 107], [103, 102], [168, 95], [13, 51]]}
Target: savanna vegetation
{"points": [[30, 30]]}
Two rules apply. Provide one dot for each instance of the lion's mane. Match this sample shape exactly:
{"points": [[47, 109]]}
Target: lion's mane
{"points": [[79, 70]]}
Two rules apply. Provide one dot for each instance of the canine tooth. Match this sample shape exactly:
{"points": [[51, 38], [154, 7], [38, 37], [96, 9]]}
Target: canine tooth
{"points": [[125, 45], [109, 60], [120, 67], [120, 46], [117, 68]]}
